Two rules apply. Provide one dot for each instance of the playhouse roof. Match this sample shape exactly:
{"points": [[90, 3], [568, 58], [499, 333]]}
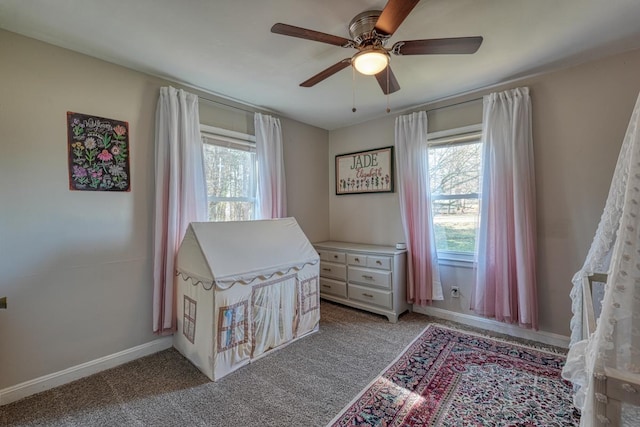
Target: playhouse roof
{"points": [[225, 253]]}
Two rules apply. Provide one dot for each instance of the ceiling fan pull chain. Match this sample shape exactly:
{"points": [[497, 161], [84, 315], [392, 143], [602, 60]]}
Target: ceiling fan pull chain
{"points": [[353, 88], [388, 108]]}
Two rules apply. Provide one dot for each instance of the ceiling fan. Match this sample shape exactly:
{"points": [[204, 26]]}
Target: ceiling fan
{"points": [[370, 32]]}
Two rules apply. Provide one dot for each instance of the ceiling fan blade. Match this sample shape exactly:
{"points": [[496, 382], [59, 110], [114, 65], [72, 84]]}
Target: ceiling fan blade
{"points": [[326, 73], [455, 45], [393, 85], [393, 14], [303, 33]]}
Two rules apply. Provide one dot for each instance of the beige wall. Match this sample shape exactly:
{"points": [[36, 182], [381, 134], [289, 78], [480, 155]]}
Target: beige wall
{"points": [[363, 218], [580, 116], [76, 266], [305, 152]]}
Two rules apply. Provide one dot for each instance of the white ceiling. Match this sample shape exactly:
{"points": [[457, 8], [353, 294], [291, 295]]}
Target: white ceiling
{"points": [[226, 47]]}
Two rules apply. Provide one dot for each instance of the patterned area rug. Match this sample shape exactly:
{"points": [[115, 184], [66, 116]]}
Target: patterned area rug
{"points": [[447, 377]]}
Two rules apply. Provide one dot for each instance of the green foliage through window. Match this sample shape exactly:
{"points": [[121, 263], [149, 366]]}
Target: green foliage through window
{"points": [[454, 180], [231, 183]]}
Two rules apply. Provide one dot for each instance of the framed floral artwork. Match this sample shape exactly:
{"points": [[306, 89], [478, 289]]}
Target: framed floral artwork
{"points": [[98, 151], [365, 172]]}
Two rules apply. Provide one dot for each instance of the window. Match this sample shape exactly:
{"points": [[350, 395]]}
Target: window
{"points": [[309, 296], [189, 319], [454, 174], [231, 174], [233, 325]]}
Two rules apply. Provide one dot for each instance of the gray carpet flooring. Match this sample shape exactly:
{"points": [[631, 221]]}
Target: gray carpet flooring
{"points": [[304, 384]]}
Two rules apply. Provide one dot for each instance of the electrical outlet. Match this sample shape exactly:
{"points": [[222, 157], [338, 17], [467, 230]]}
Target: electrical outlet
{"points": [[455, 292]]}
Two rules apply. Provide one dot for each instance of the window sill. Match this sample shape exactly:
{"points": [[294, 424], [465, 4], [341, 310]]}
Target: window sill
{"points": [[456, 259]]}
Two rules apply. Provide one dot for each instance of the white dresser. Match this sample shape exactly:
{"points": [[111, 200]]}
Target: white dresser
{"points": [[368, 277]]}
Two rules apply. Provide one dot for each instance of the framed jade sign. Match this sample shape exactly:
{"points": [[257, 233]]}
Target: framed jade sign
{"points": [[365, 172]]}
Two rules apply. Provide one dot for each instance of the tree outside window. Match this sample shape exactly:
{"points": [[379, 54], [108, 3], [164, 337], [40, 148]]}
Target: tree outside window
{"points": [[454, 174], [231, 182]]}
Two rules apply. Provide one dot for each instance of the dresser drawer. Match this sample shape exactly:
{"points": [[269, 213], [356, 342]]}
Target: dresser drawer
{"points": [[333, 287], [333, 270], [360, 260], [369, 276], [333, 256], [371, 296], [382, 262], [323, 254]]}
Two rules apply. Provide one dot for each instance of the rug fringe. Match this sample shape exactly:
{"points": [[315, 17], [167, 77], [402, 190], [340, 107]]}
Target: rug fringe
{"points": [[485, 333]]}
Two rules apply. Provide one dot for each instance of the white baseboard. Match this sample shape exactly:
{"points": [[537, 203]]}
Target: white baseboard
{"points": [[56, 379], [548, 338]]}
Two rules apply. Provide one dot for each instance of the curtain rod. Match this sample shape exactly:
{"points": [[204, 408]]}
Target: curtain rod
{"points": [[484, 90], [453, 105], [421, 107], [235, 107], [414, 108], [226, 105], [202, 90], [269, 111]]}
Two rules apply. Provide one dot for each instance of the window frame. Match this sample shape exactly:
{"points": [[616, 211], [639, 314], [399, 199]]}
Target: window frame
{"points": [[212, 135], [457, 136]]}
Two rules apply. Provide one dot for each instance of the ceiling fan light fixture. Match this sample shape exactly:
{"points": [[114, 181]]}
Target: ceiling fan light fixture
{"points": [[370, 31], [371, 61]]}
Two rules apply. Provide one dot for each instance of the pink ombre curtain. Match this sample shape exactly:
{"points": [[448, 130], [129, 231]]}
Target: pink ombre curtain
{"points": [[506, 274], [412, 164], [180, 196], [272, 195]]}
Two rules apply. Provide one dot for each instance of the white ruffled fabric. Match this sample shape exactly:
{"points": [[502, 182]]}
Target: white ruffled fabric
{"points": [[615, 250]]}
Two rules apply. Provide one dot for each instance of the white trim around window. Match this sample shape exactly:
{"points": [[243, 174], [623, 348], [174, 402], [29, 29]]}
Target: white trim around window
{"points": [[219, 132], [456, 259], [460, 135], [236, 141], [455, 136], [228, 138]]}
